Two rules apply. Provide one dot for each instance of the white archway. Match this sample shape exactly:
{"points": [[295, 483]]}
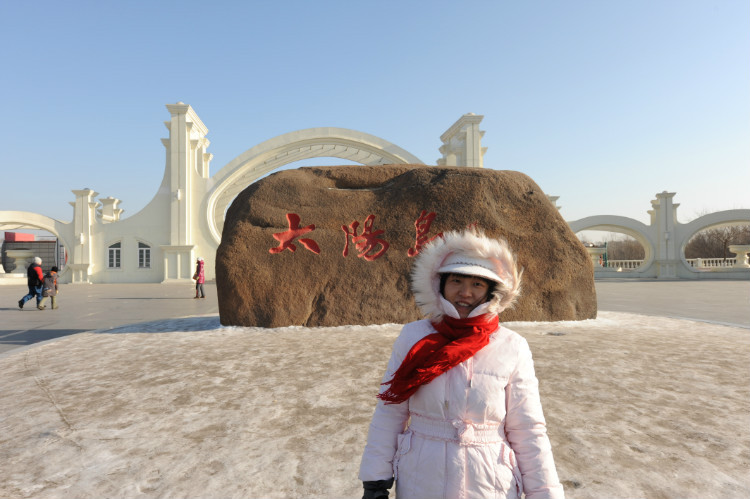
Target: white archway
{"points": [[715, 220], [712, 220], [633, 228], [186, 216], [12, 220], [665, 239], [351, 145]]}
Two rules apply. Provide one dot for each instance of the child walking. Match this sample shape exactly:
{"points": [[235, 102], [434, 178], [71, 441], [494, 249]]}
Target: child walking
{"points": [[49, 289]]}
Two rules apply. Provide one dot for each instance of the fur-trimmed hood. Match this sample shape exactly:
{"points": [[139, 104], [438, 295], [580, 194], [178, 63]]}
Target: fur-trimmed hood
{"points": [[425, 281]]}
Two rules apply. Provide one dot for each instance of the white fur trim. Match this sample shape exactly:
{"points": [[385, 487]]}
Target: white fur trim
{"points": [[471, 244]]}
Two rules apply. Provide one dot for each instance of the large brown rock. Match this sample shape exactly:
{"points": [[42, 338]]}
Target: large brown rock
{"points": [[261, 282]]}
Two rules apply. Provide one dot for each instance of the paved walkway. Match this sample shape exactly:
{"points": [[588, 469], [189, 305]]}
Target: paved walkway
{"points": [[104, 306], [720, 301], [85, 307]]}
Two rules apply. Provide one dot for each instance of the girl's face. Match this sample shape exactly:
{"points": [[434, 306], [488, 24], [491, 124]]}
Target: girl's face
{"points": [[465, 292]]}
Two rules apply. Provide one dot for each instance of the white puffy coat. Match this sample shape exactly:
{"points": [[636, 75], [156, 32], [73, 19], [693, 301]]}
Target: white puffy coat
{"points": [[475, 431]]}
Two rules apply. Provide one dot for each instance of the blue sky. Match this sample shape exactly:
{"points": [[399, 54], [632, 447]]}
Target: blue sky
{"points": [[603, 103]]}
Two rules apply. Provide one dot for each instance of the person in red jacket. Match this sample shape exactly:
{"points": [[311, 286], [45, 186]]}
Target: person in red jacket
{"points": [[35, 279], [199, 277]]}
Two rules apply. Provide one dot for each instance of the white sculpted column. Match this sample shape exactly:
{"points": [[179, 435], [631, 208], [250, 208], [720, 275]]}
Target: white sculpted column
{"points": [[84, 216], [664, 220], [187, 164], [462, 143]]}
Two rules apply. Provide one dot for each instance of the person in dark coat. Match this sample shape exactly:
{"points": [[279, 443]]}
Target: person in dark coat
{"points": [[35, 279]]}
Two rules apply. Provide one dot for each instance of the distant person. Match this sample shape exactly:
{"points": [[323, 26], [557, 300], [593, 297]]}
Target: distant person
{"points": [[49, 289], [459, 414], [35, 279], [200, 278]]}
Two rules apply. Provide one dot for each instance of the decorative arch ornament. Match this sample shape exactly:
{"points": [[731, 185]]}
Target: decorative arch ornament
{"points": [[186, 216], [714, 220], [633, 228], [664, 241], [350, 145], [12, 220]]}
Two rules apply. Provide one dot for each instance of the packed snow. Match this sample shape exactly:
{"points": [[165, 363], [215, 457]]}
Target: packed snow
{"points": [[636, 406]]}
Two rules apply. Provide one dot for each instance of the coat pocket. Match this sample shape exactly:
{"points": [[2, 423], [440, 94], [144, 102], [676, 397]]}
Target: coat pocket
{"points": [[507, 460], [404, 445]]}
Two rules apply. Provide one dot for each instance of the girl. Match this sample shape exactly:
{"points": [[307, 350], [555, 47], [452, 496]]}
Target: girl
{"points": [[459, 414], [200, 278]]}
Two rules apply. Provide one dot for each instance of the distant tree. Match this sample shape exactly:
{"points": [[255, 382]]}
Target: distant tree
{"points": [[619, 246], [625, 249], [714, 243]]}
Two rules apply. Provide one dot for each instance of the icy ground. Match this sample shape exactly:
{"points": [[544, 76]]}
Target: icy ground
{"points": [[636, 407]]}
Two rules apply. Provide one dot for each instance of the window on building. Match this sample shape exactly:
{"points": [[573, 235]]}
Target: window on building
{"points": [[114, 256], [144, 256]]}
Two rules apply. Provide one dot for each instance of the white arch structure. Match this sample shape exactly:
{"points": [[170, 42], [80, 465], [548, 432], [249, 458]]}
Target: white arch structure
{"points": [[185, 218], [665, 239], [13, 220], [610, 223], [350, 145]]}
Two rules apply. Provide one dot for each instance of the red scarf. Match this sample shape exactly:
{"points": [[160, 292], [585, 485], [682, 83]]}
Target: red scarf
{"points": [[455, 341]]}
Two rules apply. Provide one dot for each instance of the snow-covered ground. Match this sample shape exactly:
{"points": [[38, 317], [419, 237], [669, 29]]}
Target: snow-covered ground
{"points": [[636, 407]]}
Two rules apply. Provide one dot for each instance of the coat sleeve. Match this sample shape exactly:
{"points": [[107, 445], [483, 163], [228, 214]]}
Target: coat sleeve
{"points": [[526, 430], [39, 273], [387, 423]]}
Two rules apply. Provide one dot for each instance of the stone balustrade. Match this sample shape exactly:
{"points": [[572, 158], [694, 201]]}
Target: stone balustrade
{"points": [[624, 264], [697, 263], [708, 263]]}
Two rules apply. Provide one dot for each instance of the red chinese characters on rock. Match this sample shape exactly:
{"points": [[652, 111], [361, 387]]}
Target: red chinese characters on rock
{"points": [[422, 225], [369, 245], [367, 242], [286, 239]]}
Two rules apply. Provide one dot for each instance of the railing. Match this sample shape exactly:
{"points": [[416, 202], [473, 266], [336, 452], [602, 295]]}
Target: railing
{"points": [[712, 262], [699, 263], [624, 264]]}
